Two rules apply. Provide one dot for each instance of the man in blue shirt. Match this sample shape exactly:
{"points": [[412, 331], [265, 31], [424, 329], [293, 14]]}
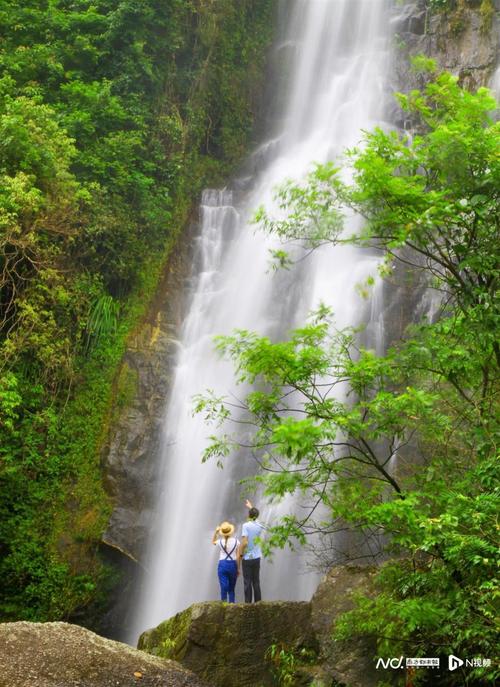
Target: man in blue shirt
{"points": [[251, 554]]}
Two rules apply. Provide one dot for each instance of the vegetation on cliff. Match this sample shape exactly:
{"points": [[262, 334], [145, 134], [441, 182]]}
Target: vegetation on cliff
{"points": [[113, 115], [402, 448], [457, 12]]}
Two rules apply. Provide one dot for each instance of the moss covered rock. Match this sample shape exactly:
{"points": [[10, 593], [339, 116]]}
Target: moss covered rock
{"points": [[271, 643], [230, 644]]}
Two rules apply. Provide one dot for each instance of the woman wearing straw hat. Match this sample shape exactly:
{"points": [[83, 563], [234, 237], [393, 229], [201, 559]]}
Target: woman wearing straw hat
{"points": [[229, 561]]}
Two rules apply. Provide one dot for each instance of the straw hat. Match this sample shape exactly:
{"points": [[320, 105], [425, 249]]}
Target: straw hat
{"points": [[226, 529]]}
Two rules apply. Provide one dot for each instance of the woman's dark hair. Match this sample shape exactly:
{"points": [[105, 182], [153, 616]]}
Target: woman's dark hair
{"points": [[253, 513]]}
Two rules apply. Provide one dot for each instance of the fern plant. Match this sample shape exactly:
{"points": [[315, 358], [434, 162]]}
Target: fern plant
{"points": [[102, 320]]}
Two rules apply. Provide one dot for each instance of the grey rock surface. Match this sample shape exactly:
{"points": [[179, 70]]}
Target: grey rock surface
{"points": [[129, 462], [350, 662], [64, 655], [461, 40]]}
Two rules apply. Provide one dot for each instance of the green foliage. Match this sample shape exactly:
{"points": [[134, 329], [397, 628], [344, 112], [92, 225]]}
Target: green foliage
{"points": [[286, 661], [439, 4], [456, 9], [313, 211], [487, 12], [113, 115], [436, 194], [401, 449], [102, 320], [10, 400], [444, 597]]}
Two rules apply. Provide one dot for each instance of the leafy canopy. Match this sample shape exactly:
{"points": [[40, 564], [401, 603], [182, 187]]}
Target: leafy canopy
{"points": [[399, 449], [113, 115]]}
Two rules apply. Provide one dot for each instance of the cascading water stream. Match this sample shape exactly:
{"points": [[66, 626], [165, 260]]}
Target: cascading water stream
{"points": [[337, 88]]}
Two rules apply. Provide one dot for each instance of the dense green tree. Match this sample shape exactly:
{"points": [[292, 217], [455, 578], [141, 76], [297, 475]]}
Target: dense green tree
{"points": [[399, 449], [113, 115]]}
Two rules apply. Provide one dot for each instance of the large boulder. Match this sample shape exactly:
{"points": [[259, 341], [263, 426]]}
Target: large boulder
{"points": [[230, 644], [350, 662], [64, 655]]}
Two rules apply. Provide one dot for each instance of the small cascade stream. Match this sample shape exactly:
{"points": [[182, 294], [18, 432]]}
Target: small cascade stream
{"points": [[339, 52]]}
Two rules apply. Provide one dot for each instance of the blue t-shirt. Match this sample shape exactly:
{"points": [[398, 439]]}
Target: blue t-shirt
{"points": [[252, 530]]}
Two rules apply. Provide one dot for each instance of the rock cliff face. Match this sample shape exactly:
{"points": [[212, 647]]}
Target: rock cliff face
{"points": [[349, 662], [463, 40], [63, 655], [130, 457], [250, 645]]}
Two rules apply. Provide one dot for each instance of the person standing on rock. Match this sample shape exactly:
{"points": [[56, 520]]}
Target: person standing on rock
{"points": [[229, 560], [251, 554]]}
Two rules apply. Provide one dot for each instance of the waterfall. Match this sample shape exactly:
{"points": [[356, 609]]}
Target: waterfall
{"points": [[335, 87]]}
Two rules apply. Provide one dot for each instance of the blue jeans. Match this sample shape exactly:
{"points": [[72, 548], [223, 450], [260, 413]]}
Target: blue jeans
{"points": [[227, 572]]}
